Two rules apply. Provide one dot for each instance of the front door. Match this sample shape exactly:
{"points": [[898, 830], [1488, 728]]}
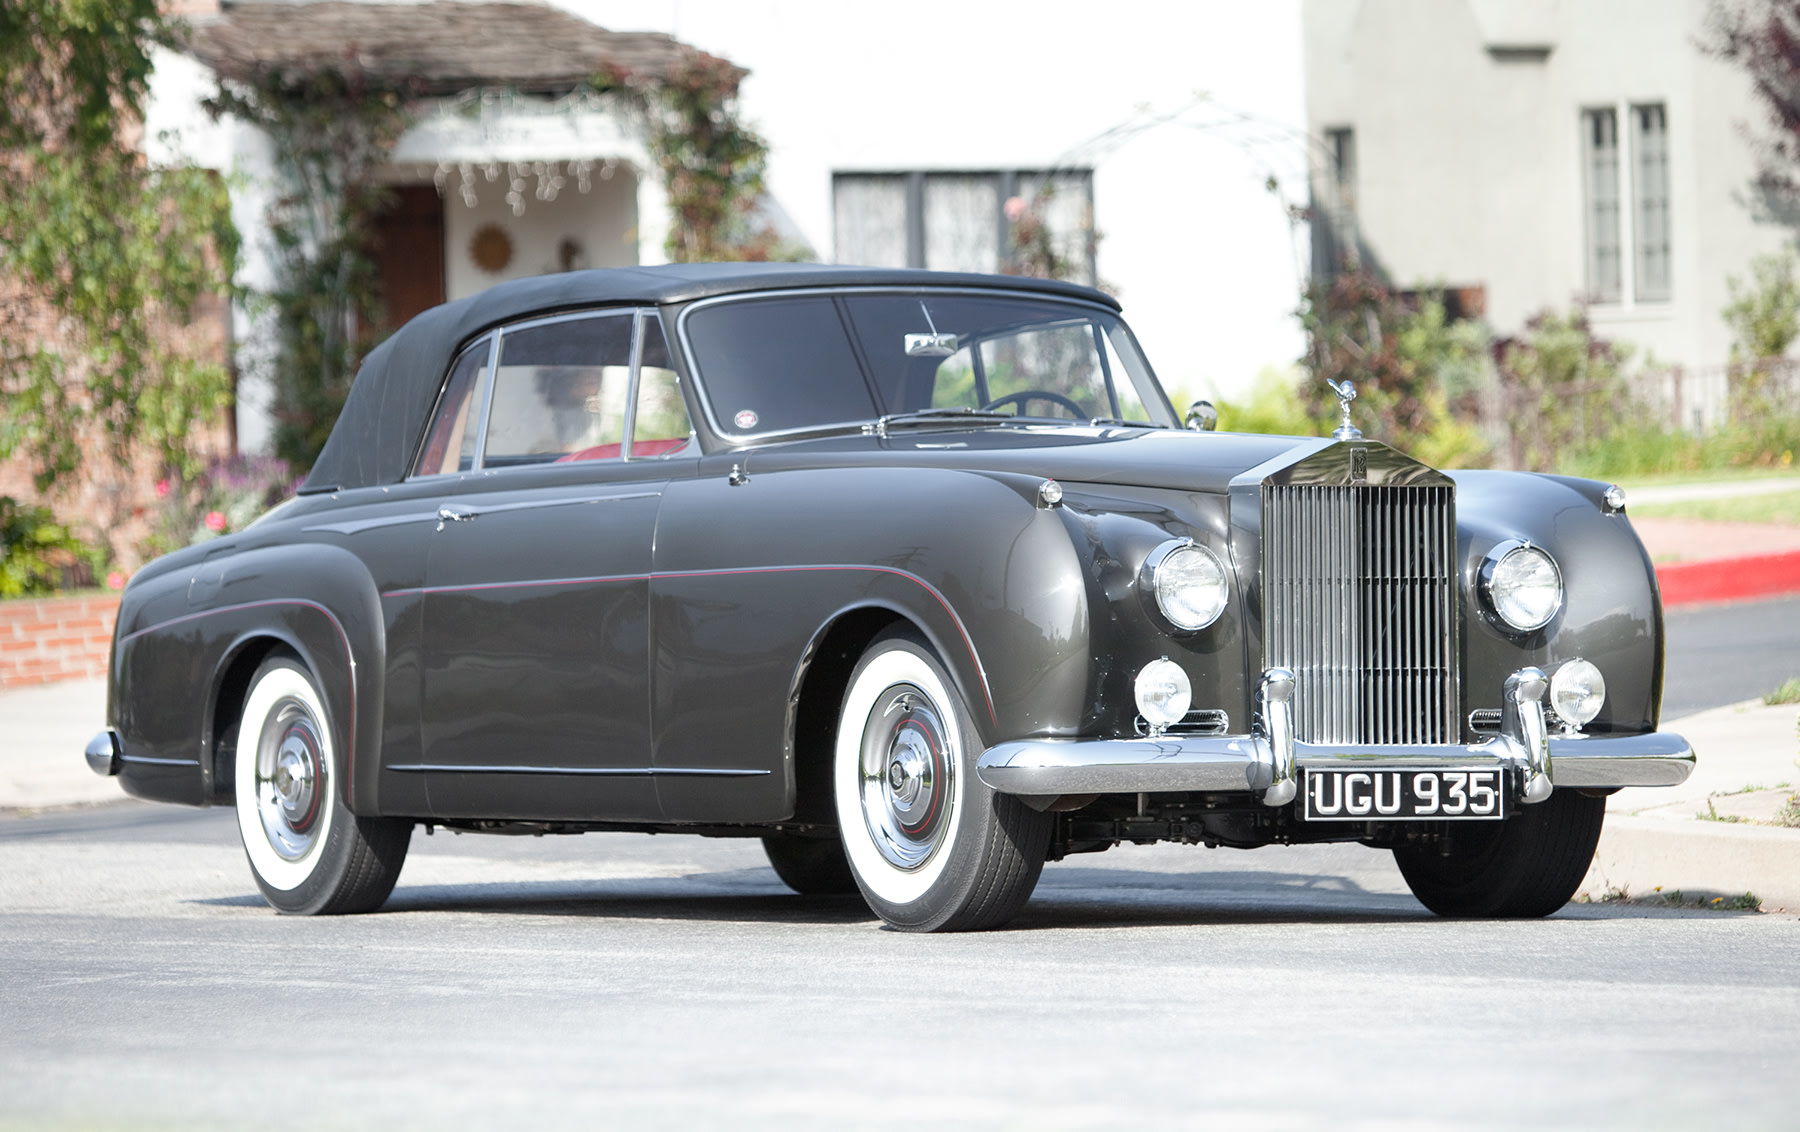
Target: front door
{"points": [[536, 629]]}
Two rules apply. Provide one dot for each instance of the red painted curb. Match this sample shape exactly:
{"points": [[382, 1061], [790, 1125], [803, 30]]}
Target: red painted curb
{"points": [[1729, 579]]}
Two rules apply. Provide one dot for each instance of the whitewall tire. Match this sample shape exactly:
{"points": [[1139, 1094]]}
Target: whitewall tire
{"points": [[930, 845], [308, 854]]}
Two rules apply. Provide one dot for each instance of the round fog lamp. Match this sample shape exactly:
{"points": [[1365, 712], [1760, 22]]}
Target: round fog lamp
{"points": [[1522, 584], [1163, 693], [1576, 692], [1189, 583]]}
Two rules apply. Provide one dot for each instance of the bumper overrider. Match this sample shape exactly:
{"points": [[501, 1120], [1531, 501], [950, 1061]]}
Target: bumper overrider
{"points": [[1268, 761]]}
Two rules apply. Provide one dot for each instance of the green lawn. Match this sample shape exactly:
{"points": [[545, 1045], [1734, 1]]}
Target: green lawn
{"points": [[1779, 507], [1718, 475]]}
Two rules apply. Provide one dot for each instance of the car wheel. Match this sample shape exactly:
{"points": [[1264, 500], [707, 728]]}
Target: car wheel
{"points": [[931, 846], [309, 855], [1528, 865], [811, 866]]}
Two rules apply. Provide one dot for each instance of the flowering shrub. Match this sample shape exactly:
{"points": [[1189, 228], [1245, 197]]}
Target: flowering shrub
{"points": [[38, 555], [227, 496]]}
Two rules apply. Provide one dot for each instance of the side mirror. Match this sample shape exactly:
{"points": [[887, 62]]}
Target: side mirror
{"points": [[1202, 417]]}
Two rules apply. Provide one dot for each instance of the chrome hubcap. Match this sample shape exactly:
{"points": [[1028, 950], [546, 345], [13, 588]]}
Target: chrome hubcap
{"points": [[290, 780], [908, 769]]}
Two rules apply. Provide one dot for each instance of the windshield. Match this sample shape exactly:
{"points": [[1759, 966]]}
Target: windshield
{"points": [[793, 362]]}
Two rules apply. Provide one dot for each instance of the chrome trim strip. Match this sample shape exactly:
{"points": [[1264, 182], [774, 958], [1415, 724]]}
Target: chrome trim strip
{"points": [[146, 760], [485, 392], [1269, 759], [732, 440], [1235, 763], [583, 771], [355, 526]]}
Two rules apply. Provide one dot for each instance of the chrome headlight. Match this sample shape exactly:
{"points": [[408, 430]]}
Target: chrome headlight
{"points": [[1522, 585], [1189, 583], [1576, 692]]}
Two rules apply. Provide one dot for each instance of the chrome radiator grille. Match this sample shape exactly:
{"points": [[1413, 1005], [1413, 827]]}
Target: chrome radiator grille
{"points": [[1359, 591]]}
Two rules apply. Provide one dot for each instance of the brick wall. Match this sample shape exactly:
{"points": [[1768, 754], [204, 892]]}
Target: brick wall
{"points": [[56, 638]]}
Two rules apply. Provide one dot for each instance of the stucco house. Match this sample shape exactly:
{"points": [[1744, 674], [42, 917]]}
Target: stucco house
{"points": [[1535, 153], [513, 164]]}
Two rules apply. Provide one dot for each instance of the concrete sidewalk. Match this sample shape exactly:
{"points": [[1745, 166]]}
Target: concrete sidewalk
{"points": [[43, 730], [1655, 842], [1715, 835]]}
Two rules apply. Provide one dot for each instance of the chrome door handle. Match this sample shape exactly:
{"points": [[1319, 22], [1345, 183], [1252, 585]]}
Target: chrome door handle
{"points": [[450, 514]]}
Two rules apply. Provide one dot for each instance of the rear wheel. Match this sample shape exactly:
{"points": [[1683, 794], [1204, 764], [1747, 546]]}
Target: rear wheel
{"points": [[309, 855], [930, 845], [811, 866], [1528, 865]]}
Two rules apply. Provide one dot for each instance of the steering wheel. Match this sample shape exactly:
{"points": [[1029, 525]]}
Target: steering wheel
{"points": [[1026, 396]]}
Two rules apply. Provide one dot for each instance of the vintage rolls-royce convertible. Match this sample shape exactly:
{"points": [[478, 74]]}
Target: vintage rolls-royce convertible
{"points": [[917, 577]]}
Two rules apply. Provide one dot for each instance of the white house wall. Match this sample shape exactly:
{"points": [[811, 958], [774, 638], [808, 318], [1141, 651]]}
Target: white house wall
{"points": [[621, 221], [1202, 255], [178, 130], [603, 222]]}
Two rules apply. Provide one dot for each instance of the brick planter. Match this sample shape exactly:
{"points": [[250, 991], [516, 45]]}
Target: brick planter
{"points": [[58, 638]]}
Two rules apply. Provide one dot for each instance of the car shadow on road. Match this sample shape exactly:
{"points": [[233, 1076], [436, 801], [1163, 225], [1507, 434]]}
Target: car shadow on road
{"points": [[1067, 899]]}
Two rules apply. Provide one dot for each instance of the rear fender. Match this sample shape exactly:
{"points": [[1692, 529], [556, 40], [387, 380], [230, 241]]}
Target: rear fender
{"points": [[316, 600]]}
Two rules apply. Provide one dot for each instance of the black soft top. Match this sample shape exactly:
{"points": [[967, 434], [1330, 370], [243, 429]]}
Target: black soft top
{"points": [[374, 438]]}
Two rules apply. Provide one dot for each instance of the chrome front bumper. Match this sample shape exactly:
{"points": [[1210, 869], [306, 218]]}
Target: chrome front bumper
{"points": [[1268, 760]]}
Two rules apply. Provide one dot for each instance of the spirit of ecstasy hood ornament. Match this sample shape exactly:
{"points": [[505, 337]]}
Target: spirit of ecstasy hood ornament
{"points": [[1346, 393]]}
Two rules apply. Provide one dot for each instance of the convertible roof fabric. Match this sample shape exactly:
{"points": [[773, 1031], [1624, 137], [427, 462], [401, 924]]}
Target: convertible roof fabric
{"points": [[376, 434]]}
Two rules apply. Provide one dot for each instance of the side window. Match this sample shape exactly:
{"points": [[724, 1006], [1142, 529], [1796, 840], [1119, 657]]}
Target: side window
{"points": [[560, 392], [450, 442], [661, 425], [1125, 390]]}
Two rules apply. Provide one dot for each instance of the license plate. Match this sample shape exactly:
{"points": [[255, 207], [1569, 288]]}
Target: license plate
{"points": [[1403, 794]]}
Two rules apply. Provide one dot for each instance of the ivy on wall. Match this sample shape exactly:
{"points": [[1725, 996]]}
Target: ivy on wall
{"points": [[106, 255], [712, 163], [332, 129]]}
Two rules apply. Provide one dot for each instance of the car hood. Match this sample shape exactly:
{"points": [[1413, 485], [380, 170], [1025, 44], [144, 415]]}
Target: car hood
{"points": [[1155, 458]]}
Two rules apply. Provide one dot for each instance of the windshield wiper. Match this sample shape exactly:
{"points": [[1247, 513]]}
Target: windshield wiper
{"points": [[1115, 421], [933, 417]]}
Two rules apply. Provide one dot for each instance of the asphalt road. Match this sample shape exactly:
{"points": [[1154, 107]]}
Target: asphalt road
{"points": [[659, 982], [1725, 654], [664, 982]]}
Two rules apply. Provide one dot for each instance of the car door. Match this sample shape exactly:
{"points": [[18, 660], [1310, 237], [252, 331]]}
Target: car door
{"points": [[535, 628]]}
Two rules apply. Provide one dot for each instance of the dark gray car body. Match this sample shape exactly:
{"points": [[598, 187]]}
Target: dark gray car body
{"points": [[662, 644]]}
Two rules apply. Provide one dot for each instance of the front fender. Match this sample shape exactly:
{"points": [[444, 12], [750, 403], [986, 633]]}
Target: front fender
{"points": [[1114, 534], [1612, 610]]}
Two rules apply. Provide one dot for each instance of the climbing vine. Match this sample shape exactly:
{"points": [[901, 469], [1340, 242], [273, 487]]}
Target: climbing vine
{"points": [[712, 163], [105, 255], [331, 129]]}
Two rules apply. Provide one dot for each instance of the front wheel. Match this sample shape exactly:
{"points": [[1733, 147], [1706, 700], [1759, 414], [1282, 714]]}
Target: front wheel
{"points": [[309, 855], [931, 846], [1527, 866]]}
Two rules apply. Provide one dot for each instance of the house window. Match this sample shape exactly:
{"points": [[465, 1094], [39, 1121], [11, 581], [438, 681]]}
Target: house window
{"points": [[1336, 222], [1342, 145], [1652, 195], [960, 221], [1600, 136], [1628, 257]]}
